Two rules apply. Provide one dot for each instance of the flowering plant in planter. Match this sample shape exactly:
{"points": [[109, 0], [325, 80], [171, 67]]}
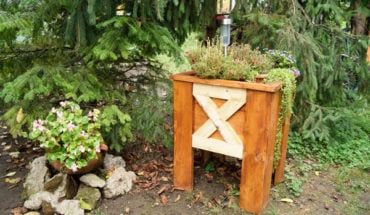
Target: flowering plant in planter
{"points": [[69, 136]]}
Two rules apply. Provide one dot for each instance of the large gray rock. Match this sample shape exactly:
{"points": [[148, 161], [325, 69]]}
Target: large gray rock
{"points": [[89, 195], [69, 207], [36, 177], [35, 200], [92, 180], [112, 162], [119, 183], [53, 183], [67, 188]]}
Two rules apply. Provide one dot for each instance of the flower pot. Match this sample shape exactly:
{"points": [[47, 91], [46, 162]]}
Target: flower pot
{"points": [[91, 165], [232, 118]]}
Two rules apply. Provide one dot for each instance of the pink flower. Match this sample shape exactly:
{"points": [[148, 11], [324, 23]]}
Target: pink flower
{"points": [[97, 149], [70, 126], [74, 167], [38, 125]]}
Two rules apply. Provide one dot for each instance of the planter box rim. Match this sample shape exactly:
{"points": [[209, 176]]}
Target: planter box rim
{"points": [[190, 76]]}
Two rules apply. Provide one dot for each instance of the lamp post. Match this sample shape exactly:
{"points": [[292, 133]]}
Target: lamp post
{"points": [[224, 7]]}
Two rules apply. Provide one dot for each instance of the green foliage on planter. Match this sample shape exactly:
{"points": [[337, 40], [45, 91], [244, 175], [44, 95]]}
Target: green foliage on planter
{"points": [[286, 77], [241, 62]]}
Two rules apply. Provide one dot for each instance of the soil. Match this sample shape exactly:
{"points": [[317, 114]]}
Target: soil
{"points": [[215, 186]]}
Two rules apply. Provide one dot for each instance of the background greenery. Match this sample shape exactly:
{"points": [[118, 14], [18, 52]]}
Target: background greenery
{"points": [[81, 50]]}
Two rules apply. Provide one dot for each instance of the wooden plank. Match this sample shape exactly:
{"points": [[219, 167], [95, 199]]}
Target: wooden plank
{"points": [[261, 115], [190, 77], [218, 146], [226, 131], [236, 121], [279, 171], [183, 124], [220, 92]]}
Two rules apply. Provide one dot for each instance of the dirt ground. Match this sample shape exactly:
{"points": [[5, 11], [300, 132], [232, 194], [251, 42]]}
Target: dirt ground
{"points": [[329, 190]]}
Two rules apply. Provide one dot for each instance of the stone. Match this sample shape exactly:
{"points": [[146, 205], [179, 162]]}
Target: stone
{"points": [[119, 183], [92, 180], [35, 200], [112, 162], [46, 208], [90, 195], [69, 207], [67, 188], [32, 213], [53, 183], [36, 177]]}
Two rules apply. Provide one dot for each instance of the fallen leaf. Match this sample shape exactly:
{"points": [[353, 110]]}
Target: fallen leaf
{"points": [[6, 148], [164, 178], [14, 155], [12, 180], [198, 197], [3, 143], [164, 199], [163, 189], [127, 210], [10, 174], [209, 177], [20, 115], [286, 200], [177, 198]]}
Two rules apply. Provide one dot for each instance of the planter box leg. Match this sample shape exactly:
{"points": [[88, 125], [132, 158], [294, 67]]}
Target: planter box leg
{"points": [[262, 110], [183, 130], [279, 171]]}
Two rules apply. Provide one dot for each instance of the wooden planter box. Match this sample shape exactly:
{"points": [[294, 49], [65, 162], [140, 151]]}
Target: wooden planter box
{"points": [[233, 118]]}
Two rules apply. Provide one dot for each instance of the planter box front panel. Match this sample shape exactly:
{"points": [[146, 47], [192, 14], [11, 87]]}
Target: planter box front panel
{"points": [[218, 119]]}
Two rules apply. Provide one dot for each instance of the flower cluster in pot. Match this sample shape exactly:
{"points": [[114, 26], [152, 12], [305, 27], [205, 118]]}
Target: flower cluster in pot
{"points": [[69, 136]]}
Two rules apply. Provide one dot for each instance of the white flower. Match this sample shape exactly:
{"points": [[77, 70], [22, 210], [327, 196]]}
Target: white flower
{"points": [[82, 149], [74, 167], [63, 104], [59, 114], [53, 110], [83, 134]]}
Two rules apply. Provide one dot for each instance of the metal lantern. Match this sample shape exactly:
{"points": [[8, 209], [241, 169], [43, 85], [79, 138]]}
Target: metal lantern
{"points": [[120, 10], [225, 6]]}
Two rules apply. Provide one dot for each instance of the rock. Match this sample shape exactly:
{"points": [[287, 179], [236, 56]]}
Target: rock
{"points": [[111, 162], [35, 200], [119, 183], [46, 208], [89, 195], [92, 180], [53, 183], [32, 213], [69, 207], [36, 177], [67, 188]]}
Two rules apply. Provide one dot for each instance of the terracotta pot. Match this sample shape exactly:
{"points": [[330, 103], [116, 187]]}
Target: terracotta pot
{"points": [[91, 165]]}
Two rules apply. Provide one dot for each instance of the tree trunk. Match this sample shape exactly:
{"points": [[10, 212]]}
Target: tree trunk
{"points": [[358, 20]]}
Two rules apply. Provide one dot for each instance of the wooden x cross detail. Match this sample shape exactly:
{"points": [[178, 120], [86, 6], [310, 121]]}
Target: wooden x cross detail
{"points": [[236, 98]]}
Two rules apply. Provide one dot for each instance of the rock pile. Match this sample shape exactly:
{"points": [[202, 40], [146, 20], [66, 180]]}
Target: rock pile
{"points": [[70, 195]]}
